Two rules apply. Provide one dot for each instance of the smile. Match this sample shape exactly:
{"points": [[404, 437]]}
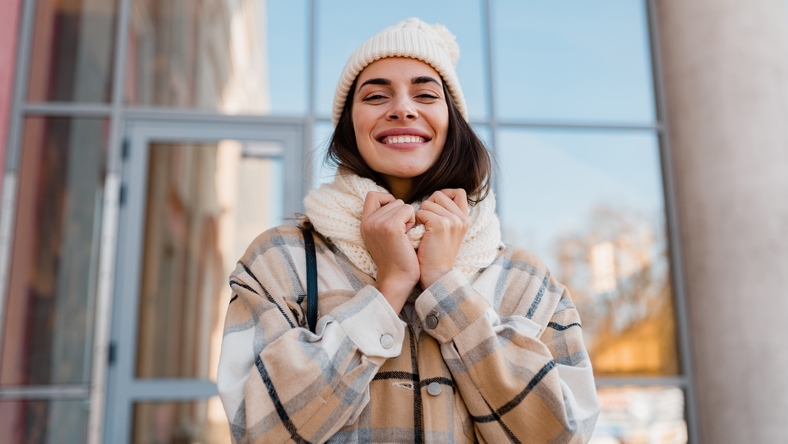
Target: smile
{"points": [[402, 139]]}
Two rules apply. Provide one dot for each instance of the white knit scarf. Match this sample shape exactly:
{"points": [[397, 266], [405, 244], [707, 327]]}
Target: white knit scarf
{"points": [[335, 210]]}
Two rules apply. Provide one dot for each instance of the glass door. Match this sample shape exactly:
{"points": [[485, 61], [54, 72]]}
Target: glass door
{"points": [[195, 195]]}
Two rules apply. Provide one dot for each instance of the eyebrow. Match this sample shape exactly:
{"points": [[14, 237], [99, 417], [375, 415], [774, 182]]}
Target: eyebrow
{"points": [[424, 79], [387, 82], [377, 81]]}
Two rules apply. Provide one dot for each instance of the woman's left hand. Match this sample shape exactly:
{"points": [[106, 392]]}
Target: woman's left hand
{"points": [[445, 218]]}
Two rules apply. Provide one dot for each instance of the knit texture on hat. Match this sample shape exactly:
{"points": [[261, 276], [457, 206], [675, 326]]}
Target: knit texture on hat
{"points": [[411, 38], [335, 210]]}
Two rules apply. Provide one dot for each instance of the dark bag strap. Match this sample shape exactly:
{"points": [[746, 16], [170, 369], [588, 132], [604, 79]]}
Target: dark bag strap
{"points": [[311, 279]]}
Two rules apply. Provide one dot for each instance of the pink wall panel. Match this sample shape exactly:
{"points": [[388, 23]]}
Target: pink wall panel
{"points": [[9, 21]]}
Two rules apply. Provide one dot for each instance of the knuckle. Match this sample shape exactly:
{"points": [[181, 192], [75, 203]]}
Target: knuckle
{"points": [[388, 229]]}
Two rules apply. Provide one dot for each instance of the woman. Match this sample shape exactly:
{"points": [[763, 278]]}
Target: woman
{"points": [[430, 330]]}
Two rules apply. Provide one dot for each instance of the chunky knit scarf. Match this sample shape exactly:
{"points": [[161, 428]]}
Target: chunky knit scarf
{"points": [[335, 210]]}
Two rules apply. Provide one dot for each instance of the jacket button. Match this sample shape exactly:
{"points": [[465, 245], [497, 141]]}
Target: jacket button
{"points": [[432, 321], [387, 341], [434, 388]]}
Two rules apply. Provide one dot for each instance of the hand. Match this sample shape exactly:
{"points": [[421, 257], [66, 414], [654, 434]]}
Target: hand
{"points": [[384, 222], [445, 218]]}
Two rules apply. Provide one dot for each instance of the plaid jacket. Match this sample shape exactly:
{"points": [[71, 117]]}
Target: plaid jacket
{"points": [[495, 358]]}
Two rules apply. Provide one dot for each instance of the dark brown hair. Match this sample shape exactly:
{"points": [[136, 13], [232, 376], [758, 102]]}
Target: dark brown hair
{"points": [[463, 163]]}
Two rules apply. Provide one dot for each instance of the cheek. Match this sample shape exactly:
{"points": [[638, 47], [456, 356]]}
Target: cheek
{"points": [[442, 128], [362, 127]]}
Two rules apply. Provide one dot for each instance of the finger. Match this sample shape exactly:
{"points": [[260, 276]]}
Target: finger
{"points": [[441, 210], [428, 218], [442, 199], [374, 201], [434, 216], [394, 217], [458, 196], [405, 215], [386, 211]]}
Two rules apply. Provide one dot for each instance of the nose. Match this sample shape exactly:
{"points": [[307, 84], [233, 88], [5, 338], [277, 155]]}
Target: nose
{"points": [[402, 109]]}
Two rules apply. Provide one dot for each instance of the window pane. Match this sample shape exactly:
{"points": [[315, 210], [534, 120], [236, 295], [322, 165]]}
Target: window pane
{"points": [[322, 172], [180, 422], [205, 204], [485, 134], [572, 60], [44, 422], [344, 25], [73, 43], [218, 55], [653, 415], [287, 53], [589, 203], [51, 294]]}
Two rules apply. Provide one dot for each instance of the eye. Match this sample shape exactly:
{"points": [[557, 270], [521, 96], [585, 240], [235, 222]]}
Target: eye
{"points": [[428, 96], [374, 97]]}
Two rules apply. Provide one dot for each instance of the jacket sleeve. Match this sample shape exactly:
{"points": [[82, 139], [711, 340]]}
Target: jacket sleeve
{"points": [[521, 381], [281, 383]]}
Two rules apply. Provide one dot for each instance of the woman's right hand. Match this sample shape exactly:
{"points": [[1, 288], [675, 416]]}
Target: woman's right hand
{"points": [[385, 221]]}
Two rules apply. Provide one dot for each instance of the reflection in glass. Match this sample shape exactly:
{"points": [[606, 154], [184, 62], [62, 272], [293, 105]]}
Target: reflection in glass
{"points": [[44, 421], [572, 60], [634, 415], [201, 421], [344, 25], [215, 55], [51, 294], [205, 204], [590, 205], [72, 51]]}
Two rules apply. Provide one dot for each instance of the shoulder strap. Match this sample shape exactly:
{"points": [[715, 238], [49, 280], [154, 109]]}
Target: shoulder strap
{"points": [[311, 279]]}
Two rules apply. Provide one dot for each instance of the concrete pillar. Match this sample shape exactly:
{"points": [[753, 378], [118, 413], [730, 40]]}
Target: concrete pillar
{"points": [[725, 72]]}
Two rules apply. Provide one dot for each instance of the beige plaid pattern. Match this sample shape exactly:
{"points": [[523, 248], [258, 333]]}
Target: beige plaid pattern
{"points": [[498, 357]]}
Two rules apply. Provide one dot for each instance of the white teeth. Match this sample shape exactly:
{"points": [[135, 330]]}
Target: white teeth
{"points": [[403, 139]]}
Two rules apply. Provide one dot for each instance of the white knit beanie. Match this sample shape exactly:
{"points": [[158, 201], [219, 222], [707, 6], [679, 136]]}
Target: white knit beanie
{"points": [[412, 38]]}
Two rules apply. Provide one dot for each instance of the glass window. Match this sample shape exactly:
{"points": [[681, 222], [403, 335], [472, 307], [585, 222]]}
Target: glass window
{"points": [[48, 325], [485, 134], [43, 421], [201, 421], [653, 415], [590, 204], [205, 204], [246, 56], [322, 172], [572, 60], [73, 43], [344, 25], [287, 54]]}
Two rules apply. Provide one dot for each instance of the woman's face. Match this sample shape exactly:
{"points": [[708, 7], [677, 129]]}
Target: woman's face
{"points": [[400, 117]]}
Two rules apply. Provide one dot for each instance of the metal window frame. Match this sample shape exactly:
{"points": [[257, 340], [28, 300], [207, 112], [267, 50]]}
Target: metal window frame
{"points": [[674, 234], [143, 127], [118, 114]]}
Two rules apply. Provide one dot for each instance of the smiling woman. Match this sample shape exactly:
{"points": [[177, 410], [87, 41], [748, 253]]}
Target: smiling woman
{"points": [[379, 113], [429, 328], [400, 117]]}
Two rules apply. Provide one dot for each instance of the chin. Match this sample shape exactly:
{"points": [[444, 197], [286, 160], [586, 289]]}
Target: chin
{"points": [[406, 173]]}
